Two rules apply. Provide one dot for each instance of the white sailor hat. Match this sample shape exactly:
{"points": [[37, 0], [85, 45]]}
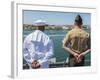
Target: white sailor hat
{"points": [[40, 23]]}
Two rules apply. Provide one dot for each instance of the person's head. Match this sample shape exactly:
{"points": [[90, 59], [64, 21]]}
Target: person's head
{"points": [[78, 20], [40, 24], [42, 28]]}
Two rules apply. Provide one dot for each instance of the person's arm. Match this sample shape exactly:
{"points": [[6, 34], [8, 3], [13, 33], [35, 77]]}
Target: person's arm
{"points": [[87, 50], [70, 51], [65, 43], [28, 51], [80, 56], [48, 54]]}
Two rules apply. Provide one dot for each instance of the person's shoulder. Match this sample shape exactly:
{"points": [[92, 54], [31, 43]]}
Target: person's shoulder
{"points": [[42, 33], [86, 33], [46, 35], [71, 31], [29, 36]]}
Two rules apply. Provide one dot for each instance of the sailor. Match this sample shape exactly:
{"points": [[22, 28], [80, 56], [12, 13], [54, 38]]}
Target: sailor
{"points": [[38, 47]]}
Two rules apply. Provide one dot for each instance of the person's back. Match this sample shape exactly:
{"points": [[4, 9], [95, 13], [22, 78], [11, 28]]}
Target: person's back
{"points": [[38, 47], [78, 40]]}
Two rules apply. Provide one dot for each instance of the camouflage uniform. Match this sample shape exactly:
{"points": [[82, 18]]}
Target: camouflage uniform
{"points": [[79, 41]]}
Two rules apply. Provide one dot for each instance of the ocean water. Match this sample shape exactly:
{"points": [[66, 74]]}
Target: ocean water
{"points": [[57, 37]]}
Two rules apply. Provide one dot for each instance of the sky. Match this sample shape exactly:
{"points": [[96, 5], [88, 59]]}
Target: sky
{"points": [[54, 18]]}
